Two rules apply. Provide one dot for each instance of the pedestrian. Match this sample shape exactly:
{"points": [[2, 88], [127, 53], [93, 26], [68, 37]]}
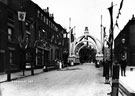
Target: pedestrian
{"points": [[57, 64], [106, 70], [123, 64]]}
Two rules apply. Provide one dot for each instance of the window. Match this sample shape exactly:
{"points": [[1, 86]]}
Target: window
{"points": [[28, 57], [39, 34], [44, 19], [27, 37], [27, 24], [10, 34], [47, 21], [10, 15], [41, 16], [38, 13], [51, 54], [39, 57]]}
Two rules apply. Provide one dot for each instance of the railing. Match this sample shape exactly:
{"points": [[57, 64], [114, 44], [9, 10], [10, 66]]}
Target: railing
{"points": [[124, 91]]}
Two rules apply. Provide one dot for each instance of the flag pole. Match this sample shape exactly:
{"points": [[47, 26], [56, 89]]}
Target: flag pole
{"points": [[101, 32], [69, 37]]}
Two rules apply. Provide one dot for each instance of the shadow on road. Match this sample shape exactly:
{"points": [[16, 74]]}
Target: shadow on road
{"points": [[69, 69]]}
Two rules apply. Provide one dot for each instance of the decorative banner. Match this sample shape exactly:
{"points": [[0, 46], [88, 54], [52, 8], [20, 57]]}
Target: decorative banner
{"points": [[23, 42], [21, 16]]}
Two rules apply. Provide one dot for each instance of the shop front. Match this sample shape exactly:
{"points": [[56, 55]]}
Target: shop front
{"points": [[42, 57]]}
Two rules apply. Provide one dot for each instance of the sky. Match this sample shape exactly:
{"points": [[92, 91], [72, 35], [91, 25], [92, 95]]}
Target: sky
{"points": [[87, 13]]}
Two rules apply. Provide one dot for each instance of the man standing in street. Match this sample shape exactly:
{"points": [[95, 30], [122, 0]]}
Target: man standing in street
{"points": [[123, 64]]}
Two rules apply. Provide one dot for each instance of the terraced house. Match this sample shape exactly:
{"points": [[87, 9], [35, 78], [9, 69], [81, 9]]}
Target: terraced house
{"points": [[124, 44], [29, 35]]}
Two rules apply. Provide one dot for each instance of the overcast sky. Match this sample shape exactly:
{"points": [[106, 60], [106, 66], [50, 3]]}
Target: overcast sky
{"points": [[88, 13]]}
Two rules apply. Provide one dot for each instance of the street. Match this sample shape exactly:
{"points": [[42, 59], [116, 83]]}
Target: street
{"points": [[79, 80]]}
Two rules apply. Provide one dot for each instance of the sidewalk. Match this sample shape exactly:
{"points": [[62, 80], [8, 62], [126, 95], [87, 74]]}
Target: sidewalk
{"points": [[127, 83], [17, 75]]}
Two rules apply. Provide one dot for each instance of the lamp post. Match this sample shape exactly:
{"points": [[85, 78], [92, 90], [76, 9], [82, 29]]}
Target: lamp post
{"points": [[65, 51], [115, 77]]}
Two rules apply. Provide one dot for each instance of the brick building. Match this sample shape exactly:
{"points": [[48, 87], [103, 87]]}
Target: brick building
{"points": [[124, 43], [39, 38]]}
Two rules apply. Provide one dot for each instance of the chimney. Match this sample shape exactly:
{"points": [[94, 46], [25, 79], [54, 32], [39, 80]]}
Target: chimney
{"points": [[133, 18], [47, 9]]}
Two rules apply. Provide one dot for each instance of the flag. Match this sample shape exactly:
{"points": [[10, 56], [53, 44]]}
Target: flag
{"points": [[104, 28], [121, 5], [72, 35], [111, 24], [111, 17]]}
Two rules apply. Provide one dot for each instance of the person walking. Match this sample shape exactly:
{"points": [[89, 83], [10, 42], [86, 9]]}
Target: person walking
{"points": [[106, 70], [123, 64]]}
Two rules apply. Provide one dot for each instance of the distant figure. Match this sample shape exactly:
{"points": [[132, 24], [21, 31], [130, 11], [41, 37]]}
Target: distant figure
{"points": [[56, 63], [123, 64]]}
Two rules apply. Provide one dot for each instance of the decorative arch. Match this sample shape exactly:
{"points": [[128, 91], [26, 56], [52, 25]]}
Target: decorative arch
{"points": [[90, 43], [83, 47], [85, 38]]}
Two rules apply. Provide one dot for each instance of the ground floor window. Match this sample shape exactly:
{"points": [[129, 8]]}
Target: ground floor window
{"points": [[11, 57], [28, 57], [39, 57]]}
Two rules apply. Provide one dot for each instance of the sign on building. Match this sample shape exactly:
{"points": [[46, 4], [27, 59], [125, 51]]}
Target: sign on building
{"points": [[21, 16]]}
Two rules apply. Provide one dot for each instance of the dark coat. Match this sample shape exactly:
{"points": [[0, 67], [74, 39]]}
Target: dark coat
{"points": [[123, 63]]}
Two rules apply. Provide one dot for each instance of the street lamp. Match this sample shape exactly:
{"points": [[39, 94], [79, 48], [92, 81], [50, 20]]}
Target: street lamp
{"points": [[123, 41], [123, 47]]}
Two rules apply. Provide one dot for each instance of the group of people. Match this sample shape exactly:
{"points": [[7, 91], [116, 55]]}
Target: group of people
{"points": [[59, 64], [107, 65]]}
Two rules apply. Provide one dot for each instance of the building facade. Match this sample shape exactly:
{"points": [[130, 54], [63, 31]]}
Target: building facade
{"points": [[124, 44], [38, 39]]}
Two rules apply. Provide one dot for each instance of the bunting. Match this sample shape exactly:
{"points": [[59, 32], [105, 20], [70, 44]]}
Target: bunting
{"points": [[117, 25]]}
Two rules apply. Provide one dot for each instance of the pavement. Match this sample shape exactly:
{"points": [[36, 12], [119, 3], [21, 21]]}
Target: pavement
{"points": [[79, 80], [128, 82], [19, 75]]}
